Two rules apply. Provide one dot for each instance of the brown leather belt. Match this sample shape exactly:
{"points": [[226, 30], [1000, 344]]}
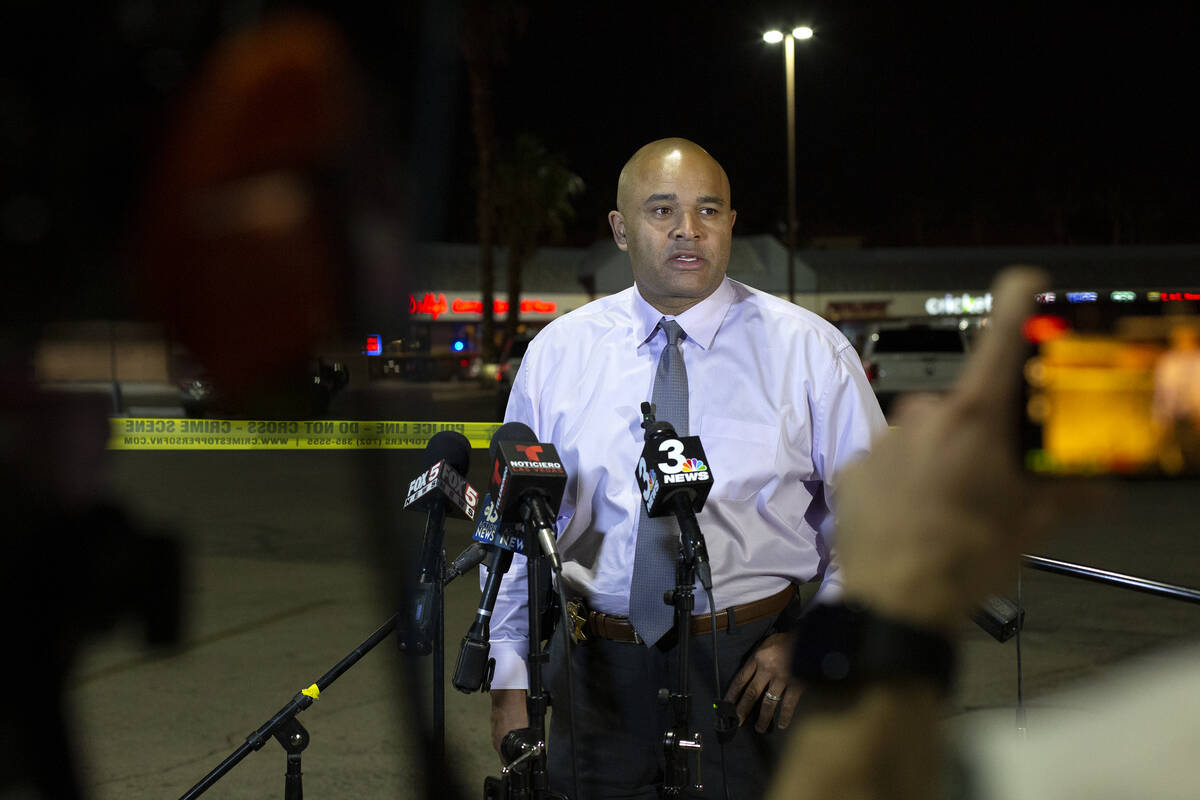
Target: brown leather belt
{"points": [[618, 628]]}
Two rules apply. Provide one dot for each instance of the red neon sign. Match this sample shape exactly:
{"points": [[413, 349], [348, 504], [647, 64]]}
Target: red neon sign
{"points": [[435, 305], [427, 305]]}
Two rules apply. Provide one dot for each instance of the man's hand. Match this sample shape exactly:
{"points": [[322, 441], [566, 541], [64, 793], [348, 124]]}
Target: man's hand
{"points": [[508, 713], [767, 674]]}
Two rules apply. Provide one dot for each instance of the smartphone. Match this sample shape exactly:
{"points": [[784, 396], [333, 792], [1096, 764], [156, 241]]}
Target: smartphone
{"points": [[1112, 384]]}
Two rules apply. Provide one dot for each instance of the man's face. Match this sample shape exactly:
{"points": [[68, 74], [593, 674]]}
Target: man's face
{"points": [[676, 222]]}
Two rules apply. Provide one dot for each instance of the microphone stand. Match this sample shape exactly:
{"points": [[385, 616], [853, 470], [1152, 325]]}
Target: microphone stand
{"points": [[286, 729], [425, 614], [439, 661], [680, 742], [524, 776]]}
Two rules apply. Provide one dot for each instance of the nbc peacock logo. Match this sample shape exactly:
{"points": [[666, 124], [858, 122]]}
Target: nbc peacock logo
{"points": [[693, 465]]}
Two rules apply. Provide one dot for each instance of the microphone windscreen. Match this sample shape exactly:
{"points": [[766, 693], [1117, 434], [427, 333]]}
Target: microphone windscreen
{"points": [[451, 447], [510, 432]]}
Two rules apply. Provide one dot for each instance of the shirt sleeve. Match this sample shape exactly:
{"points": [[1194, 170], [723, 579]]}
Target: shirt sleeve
{"points": [[510, 617], [848, 419]]}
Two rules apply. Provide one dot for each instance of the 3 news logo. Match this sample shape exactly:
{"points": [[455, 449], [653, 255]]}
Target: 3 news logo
{"points": [[450, 483], [677, 466]]}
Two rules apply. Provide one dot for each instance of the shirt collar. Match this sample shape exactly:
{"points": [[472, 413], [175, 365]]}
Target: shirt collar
{"points": [[700, 322]]}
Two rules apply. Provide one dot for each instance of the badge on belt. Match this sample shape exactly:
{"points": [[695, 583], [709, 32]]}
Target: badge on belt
{"points": [[578, 620]]}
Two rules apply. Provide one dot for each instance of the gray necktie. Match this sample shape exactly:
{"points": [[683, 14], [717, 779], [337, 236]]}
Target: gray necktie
{"points": [[658, 537]]}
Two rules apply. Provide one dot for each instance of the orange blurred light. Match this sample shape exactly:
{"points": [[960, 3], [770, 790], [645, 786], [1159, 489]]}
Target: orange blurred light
{"points": [[1044, 328]]}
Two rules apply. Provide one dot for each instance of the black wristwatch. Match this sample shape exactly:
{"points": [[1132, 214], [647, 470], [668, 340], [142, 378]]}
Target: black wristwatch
{"points": [[847, 645]]}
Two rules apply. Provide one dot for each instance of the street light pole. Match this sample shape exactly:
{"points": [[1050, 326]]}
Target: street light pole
{"points": [[789, 70], [789, 62]]}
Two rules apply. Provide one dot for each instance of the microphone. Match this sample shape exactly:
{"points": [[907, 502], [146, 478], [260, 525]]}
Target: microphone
{"points": [[471, 557], [489, 531], [440, 490], [496, 542], [674, 478], [528, 481]]}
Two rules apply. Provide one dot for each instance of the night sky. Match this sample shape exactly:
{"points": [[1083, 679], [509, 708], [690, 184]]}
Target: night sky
{"points": [[981, 123]]}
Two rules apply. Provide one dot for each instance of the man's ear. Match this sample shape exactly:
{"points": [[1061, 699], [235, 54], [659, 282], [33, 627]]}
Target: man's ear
{"points": [[617, 223]]}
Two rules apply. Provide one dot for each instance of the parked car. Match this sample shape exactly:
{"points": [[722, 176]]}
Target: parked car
{"points": [[511, 355], [905, 356], [306, 395]]}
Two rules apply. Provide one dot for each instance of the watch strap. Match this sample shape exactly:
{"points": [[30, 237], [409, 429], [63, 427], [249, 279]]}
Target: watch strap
{"points": [[849, 645]]}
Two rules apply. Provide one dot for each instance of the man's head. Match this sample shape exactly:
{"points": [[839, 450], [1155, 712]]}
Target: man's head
{"points": [[674, 217]]}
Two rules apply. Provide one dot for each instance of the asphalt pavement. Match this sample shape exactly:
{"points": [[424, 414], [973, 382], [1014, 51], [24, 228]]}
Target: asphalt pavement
{"points": [[289, 570]]}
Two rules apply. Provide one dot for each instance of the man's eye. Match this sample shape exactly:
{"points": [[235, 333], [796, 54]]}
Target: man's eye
{"points": [[708, 212], [662, 211]]}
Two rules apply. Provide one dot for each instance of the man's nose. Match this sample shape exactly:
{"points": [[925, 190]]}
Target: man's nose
{"points": [[689, 225]]}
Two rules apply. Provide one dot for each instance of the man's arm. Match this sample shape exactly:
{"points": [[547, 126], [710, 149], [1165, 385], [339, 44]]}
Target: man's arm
{"points": [[933, 518], [509, 712], [849, 418]]}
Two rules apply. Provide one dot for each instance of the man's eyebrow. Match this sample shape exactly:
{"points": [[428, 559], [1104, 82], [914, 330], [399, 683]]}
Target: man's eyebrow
{"points": [[671, 197]]}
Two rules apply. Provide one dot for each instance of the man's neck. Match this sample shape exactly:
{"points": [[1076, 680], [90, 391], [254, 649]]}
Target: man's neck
{"points": [[673, 306]]}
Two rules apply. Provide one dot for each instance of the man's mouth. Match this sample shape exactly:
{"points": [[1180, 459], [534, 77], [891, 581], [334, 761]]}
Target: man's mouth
{"points": [[684, 259]]}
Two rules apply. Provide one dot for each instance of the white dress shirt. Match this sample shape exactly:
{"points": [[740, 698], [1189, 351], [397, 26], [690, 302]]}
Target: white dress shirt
{"points": [[779, 400]]}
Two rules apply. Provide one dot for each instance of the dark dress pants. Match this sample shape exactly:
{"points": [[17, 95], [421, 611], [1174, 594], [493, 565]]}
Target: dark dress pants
{"points": [[620, 722]]}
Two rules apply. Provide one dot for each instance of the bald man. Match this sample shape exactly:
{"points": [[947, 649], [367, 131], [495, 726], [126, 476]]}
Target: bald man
{"points": [[780, 401]]}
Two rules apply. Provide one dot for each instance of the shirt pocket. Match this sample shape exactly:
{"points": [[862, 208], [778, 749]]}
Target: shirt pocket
{"points": [[740, 454]]}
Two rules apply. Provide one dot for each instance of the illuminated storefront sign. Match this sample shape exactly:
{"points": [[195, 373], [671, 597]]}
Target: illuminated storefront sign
{"points": [[839, 310], [434, 305], [959, 304]]}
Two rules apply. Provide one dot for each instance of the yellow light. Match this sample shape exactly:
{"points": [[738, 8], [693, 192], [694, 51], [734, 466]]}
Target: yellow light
{"points": [[803, 32], [773, 37]]}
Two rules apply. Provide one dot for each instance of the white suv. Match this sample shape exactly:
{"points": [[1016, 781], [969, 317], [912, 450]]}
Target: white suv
{"points": [[904, 356]]}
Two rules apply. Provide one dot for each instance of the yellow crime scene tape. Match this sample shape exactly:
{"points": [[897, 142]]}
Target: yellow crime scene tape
{"points": [[152, 433]]}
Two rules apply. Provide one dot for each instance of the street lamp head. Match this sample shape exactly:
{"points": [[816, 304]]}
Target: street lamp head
{"points": [[773, 37], [803, 32]]}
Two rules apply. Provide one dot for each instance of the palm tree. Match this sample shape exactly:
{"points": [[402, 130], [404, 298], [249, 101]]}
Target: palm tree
{"points": [[487, 26], [532, 191]]}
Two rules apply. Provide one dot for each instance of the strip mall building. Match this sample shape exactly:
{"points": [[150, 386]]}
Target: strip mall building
{"points": [[850, 287]]}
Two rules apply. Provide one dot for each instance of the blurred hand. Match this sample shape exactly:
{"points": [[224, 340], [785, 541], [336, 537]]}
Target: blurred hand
{"points": [[940, 510]]}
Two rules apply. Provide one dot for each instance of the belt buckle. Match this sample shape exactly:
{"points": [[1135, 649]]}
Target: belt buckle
{"points": [[578, 621]]}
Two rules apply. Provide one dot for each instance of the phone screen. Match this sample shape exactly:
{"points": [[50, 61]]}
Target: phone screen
{"points": [[1112, 384]]}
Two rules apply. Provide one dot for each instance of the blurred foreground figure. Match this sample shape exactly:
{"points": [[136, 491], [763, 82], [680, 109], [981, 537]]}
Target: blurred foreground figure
{"points": [[242, 242], [234, 246], [74, 566], [935, 517]]}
